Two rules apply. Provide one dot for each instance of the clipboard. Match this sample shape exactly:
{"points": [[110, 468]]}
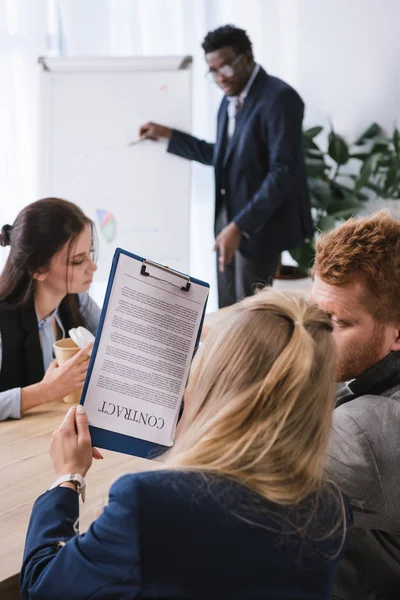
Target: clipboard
{"points": [[111, 440]]}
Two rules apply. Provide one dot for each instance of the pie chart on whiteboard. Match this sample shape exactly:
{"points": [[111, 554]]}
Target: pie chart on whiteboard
{"points": [[108, 224]]}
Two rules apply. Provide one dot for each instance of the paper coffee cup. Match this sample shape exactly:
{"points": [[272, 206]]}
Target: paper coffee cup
{"points": [[64, 350]]}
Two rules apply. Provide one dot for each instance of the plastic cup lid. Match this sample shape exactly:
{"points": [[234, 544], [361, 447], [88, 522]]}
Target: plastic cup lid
{"points": [[81, 336]]}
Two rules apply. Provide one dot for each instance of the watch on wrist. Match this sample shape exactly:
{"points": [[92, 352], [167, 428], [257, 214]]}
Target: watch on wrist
{"points": [[75, 478]]}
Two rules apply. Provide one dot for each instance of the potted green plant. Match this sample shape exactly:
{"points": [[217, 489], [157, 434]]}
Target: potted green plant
{"points": [[335, 195], [380, 172]]}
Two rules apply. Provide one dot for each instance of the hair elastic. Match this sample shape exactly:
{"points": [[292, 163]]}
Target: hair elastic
{"points": [[5, 235]]}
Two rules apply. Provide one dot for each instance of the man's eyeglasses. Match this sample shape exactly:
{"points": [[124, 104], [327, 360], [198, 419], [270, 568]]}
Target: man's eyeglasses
{"points": [[225, 71]]}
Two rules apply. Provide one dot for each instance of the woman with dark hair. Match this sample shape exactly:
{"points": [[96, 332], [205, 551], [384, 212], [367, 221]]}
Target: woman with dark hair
{"points": [[43, 293]]}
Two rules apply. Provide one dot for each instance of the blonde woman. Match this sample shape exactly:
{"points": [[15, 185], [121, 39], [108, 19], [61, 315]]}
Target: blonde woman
{"points": [[239, 507]]}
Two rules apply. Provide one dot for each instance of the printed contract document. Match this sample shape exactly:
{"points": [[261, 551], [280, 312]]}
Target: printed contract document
{"points": [[149, 328]]}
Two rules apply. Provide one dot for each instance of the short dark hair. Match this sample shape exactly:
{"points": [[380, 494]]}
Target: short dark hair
{"points": [[227, 35]]}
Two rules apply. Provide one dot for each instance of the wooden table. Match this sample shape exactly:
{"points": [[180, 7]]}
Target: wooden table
{"points": [[26, 472]]}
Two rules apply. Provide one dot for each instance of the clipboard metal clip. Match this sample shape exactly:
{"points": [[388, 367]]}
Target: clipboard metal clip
{"points": [[176, 275]]}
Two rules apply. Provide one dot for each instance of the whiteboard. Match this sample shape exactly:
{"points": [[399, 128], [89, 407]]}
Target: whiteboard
{"points": [[139, 196]]}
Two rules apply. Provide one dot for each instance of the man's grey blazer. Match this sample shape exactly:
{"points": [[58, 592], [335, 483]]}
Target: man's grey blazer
{"points": [[364, 459]]}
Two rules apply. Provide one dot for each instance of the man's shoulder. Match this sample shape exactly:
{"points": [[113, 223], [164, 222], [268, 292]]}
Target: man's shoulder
{"points": [[369, 420], [363, 457], [279, 84], [273, 85], [370, 408]]}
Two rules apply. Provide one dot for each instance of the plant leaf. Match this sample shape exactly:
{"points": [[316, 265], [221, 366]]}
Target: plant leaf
{"points": [[321, 190], [346, 213], [363, 197], [315, 167], [360, 155], [380, 146], [393, 176], [373, 130], [366, 171], [345, 209], [338, 149], [315, 153], [348, 203], [309, 144], [304, 255], [346, 192], [343, 188], [396, 140], [315, 202], [375, 188], [312, 132], [326, 223]]}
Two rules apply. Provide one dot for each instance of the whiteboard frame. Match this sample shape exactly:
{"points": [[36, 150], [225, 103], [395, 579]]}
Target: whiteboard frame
{"points": [[62, 64]]}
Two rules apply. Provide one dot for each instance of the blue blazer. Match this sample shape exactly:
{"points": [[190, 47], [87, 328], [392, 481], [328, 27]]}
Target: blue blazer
{"points": [[262, 168], [170, 534]]}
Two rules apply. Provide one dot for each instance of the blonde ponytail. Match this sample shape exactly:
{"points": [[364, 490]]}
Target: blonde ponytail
{"points": [[260, 398]]}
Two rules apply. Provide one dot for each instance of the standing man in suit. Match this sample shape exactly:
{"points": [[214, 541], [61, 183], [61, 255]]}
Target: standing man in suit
{"points": [[261, 198]]}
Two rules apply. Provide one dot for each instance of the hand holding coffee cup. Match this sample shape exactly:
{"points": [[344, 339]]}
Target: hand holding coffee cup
{"points": [[66, 375]]}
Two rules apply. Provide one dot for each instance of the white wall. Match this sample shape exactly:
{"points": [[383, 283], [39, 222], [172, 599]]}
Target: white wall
{"points": [[345, 61], [341, 55]]}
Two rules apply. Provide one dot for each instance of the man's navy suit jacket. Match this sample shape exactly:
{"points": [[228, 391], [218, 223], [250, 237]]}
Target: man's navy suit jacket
{"points": [[170, 535], [261, 168]]}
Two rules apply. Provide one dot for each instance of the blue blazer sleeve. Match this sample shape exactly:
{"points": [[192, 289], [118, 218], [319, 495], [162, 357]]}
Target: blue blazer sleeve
{"points": [[104, 562], [284, 134], [187, 146]]}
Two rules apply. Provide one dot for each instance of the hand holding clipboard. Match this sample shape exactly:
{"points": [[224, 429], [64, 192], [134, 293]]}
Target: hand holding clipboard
{"points": [[149, 328]]}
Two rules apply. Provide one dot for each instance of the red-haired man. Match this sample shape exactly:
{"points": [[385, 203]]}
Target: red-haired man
{"points": [[357, 281]]}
